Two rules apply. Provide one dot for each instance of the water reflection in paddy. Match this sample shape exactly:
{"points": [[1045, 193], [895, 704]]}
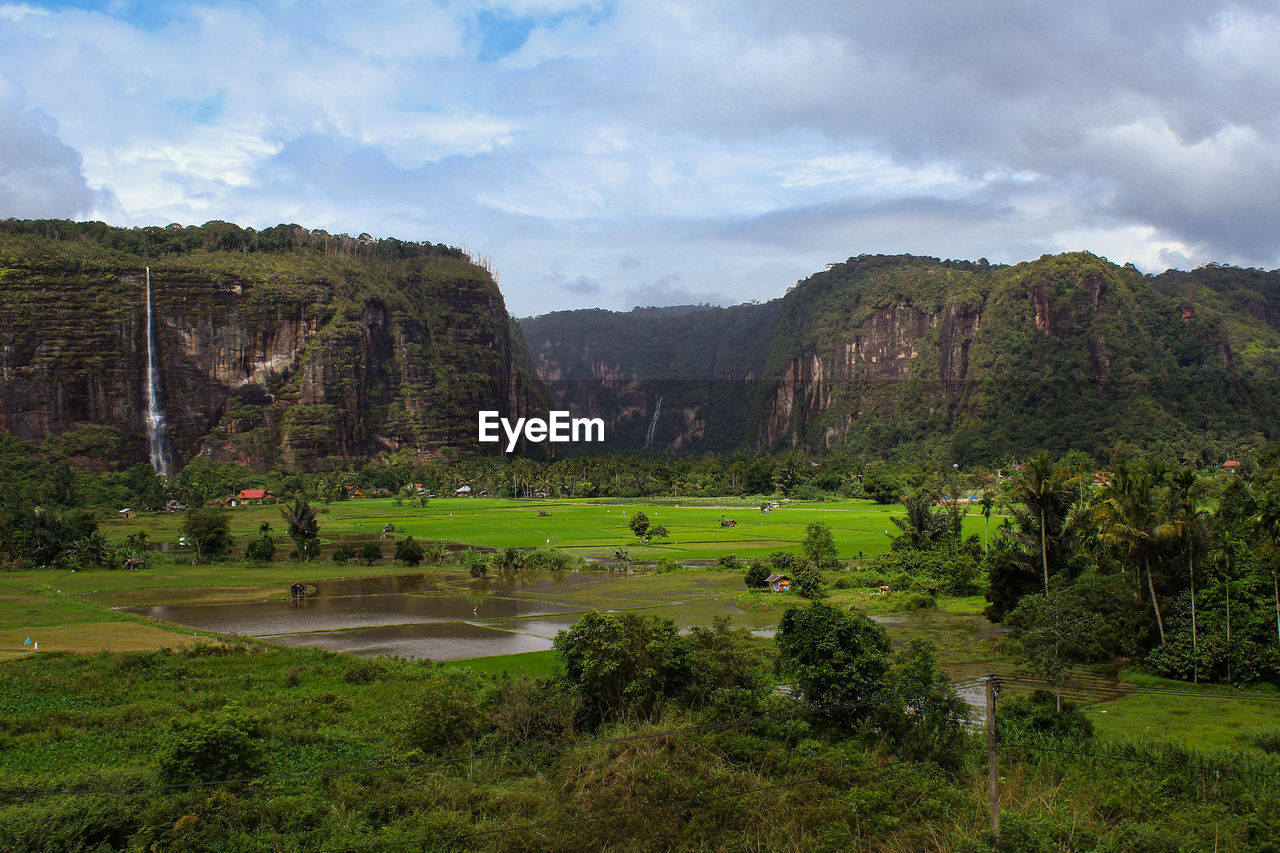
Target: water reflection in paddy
{"points": [[438, 641], [411, 615]]}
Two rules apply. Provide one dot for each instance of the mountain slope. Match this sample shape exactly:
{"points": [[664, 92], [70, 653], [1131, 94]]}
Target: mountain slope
{"points": [[903, 354]]}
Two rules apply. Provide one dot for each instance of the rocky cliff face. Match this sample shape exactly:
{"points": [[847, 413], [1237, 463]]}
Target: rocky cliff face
{"points": [[882, 352], [304, 360], [662, 379]]}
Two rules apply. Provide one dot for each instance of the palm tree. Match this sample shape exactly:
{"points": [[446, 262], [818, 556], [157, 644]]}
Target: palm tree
{"points": [[1225, 557], [1269, 523], [1184, 488], [923, 525], [1130, 513], [987, 503], [1044, 489]]}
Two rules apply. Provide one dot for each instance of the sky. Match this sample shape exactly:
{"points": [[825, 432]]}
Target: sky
{"points": [[614, 153]]}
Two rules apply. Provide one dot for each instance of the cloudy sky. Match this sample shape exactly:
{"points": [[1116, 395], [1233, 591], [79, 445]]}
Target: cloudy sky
{"points": [[614, 153]]}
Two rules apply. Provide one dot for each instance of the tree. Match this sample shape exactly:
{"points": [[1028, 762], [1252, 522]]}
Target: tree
{"points": [[1044, 491], [1189, 516], [639, 525], [370, 553], [409, 551], [819, 547], [624, 664], [343, 554], [264, 549], [208, 530], [1131, 515], [881, 486], [757, 576], [808, 582], [922, 716], [987, 504], [1269, 523], [1225, 557], [304, 529], [923, 525], [1053, 632], [834, 657], [658, 531]]}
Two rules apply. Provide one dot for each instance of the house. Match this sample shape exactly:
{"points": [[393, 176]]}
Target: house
{"points": [[778, 583], [257, 496], [462, 491], [128, 512], [1232, 465]]}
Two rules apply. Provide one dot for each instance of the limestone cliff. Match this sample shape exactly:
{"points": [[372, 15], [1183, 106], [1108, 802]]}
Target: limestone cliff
{"points": [[296, 356], [890, 353]]}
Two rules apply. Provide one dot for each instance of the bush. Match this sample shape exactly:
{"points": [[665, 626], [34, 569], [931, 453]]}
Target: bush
{"points": [[757, 576], [1039, 714], [1267, 740], [449, 714], [261, 550], [409, 551], [666, 565], [546, 560], [206, 749], [919, 601], [343, 554], [370, 553]]}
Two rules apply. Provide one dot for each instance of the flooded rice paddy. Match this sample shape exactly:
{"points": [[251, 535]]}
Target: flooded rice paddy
{"points": [[427, 615], [442, 616]]}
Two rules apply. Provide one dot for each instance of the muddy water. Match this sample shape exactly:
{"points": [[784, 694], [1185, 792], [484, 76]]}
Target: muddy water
{"points": [[411, 615], [438, 641]]}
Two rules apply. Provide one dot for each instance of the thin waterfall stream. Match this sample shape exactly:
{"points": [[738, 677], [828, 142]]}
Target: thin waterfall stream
{"points": [[157, 426]]}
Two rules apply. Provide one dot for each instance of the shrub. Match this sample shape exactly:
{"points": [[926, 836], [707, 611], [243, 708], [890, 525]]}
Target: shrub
{"points": [[919, 601], [206, 749], [370, 553], [1267, 740], [666, 565], [729, 563], [757, 576], [449, 714], [1039, 714], [409, 551], [343, 554]]}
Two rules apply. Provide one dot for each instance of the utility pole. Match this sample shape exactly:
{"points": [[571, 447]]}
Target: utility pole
{"points": [[993, 773]]}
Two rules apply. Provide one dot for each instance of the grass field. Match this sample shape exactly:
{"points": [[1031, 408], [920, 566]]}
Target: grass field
{"points": [[590, 528], [55, 609]]}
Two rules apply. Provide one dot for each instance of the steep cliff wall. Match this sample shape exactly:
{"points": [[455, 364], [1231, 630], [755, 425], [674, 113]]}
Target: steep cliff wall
{"points": [[910, 354], [293, 357], [663, 379]]}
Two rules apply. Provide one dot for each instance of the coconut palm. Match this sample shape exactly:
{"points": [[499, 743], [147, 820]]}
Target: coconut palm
{"points": [[1045, 492], [1131, 515], [1189, 516], [1269, 523], [1225, 557]]}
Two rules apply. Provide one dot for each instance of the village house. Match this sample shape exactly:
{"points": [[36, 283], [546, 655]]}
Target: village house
{"points": [[778, 583]]}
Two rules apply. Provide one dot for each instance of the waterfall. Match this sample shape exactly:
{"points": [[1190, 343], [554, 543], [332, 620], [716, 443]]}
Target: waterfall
{"points": [[653, 423], [157, 426]]}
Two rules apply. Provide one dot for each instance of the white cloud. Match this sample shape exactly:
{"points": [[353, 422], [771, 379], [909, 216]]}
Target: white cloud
{"points": [[738, 145]]}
